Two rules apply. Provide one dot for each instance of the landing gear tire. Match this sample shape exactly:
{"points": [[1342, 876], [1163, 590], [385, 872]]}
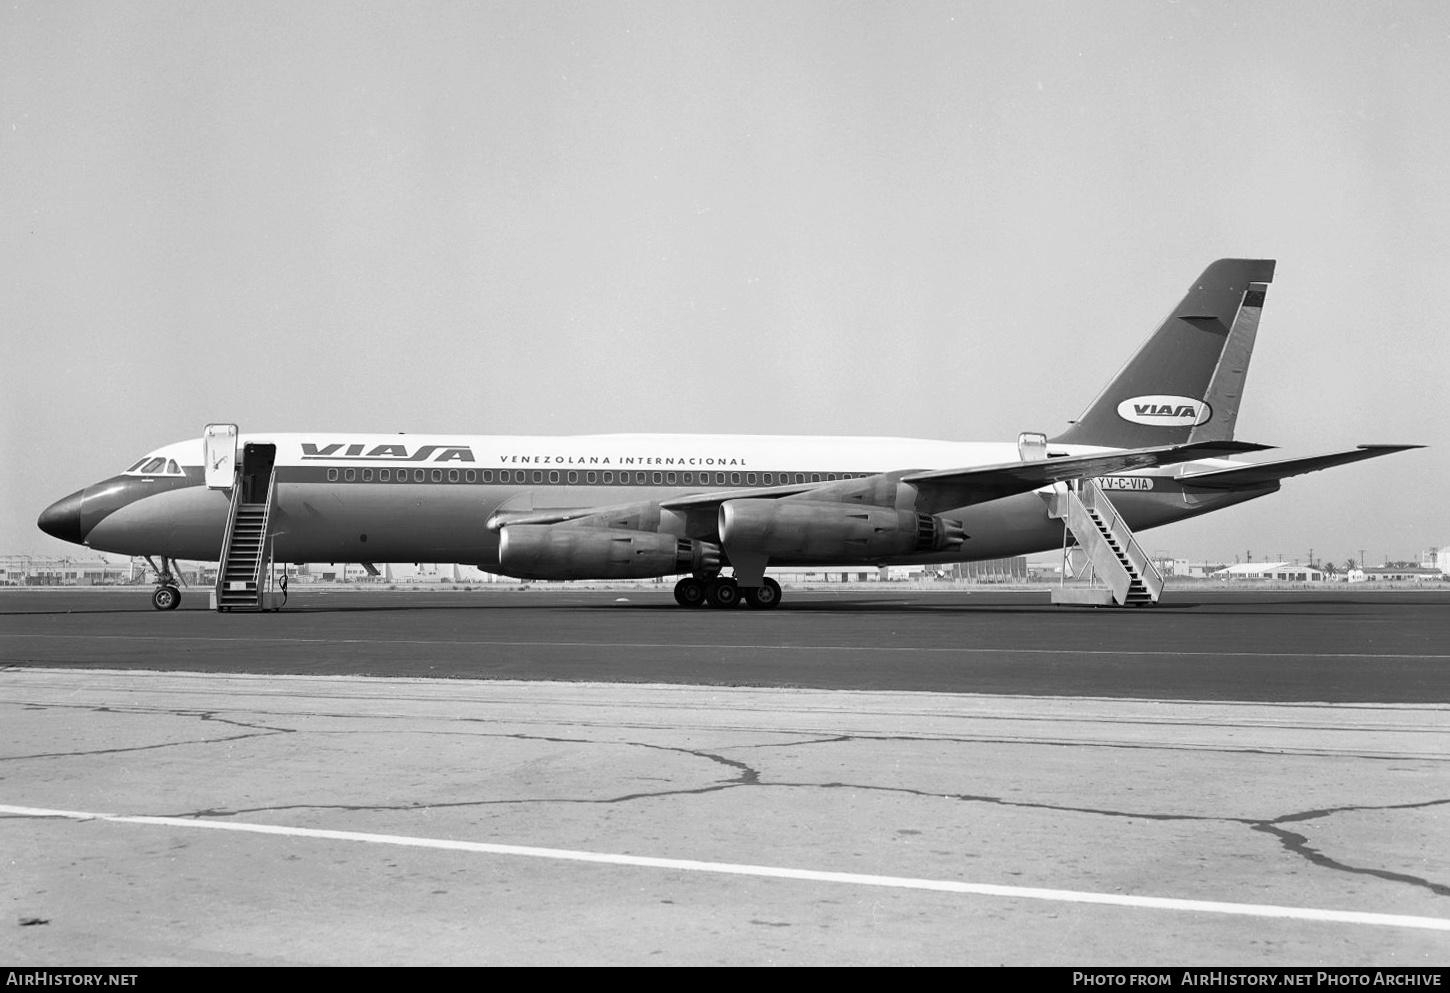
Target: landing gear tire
{"points": [[166, 598], [722, 593], [763, 597], [690, 592]]}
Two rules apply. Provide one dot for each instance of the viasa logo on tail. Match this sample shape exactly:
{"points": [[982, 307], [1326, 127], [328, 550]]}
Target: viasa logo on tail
{"points": [[1165, 411]]}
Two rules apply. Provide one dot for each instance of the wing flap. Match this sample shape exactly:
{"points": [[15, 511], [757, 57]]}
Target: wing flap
{"points": [[720, 496], [686, 502]]}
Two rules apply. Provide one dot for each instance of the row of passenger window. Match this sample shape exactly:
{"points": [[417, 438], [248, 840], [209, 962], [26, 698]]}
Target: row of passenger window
{"points": [[591, 477]]}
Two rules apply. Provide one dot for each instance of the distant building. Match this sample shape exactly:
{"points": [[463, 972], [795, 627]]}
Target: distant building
{"points": [[1013, 570], [1286, 572], [1191, 569], [1436, 558], [1402, 574], [38, 570]]}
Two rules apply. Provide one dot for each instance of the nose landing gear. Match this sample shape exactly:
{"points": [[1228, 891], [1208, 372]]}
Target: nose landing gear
{"points": [[167, 595]]}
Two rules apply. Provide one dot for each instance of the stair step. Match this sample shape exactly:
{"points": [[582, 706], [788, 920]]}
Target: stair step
{"points": [[243, 558]]}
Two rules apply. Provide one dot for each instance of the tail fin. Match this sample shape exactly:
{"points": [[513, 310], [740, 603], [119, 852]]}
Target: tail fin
{"points": [[1185, 382]]}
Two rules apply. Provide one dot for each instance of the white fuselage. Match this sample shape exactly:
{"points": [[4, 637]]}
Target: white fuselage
{"points": [[416, 498]]}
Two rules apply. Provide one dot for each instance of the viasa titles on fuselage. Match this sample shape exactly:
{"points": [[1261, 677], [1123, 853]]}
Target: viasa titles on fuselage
{"points": [[1154, 447]]}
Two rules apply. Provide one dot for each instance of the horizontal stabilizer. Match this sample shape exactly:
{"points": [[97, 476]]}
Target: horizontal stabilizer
{"points": [[943, 489], [1264, 473]]}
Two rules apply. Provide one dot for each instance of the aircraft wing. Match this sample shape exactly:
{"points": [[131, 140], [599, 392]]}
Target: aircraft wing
{"points": [[1264, 473], [943, 489], [938, 489]]}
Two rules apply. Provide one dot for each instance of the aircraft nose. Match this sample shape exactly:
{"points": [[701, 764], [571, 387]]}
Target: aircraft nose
{"points": [[62, 519]]}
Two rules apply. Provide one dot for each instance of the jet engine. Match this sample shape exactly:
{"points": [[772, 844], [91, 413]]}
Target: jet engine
{"points": [[805, 530], [543, 551]]}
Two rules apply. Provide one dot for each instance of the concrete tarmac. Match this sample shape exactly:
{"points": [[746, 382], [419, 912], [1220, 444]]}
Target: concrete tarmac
{"points": [[254, 811]]}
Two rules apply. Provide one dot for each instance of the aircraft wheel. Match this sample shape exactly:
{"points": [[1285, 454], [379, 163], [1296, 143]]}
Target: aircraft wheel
{"points": [[765, 597], [690, 592], [722, 593], [166, 598]]}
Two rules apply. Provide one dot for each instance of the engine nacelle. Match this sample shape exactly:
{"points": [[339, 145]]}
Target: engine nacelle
{"points": [[805, 530], [543, 551]]}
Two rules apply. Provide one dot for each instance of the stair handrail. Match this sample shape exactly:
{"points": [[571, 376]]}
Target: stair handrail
{"points": [[1094, 498], [236, 501], [264, 549]]}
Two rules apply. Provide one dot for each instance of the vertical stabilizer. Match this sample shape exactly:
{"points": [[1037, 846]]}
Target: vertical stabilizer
{"points": [[1190, 372]]}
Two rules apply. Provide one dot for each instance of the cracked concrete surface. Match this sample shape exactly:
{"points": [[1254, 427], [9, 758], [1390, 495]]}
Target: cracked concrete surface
{"points": [[1333, 807]]}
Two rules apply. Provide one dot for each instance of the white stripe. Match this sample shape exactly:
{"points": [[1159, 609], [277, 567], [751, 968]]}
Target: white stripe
{"points": [[743, 648], [776, 872]]}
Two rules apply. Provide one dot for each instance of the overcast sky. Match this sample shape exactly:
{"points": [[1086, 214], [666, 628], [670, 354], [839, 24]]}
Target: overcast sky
{"points": [[941, 220]]}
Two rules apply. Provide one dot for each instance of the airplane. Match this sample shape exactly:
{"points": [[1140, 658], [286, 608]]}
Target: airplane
{"points": [[1155, 446]]}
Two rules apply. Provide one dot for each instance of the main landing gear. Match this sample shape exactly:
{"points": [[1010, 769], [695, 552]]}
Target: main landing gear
{"points": [[167, 595], [719, 591]]}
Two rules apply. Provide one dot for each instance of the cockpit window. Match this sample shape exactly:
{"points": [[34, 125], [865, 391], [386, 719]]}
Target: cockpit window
{"points": [[156, 465]]}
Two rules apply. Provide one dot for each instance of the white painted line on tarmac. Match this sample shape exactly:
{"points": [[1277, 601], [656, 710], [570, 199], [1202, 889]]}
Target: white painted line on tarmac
{"points": [[773, 872], [951, 650]]}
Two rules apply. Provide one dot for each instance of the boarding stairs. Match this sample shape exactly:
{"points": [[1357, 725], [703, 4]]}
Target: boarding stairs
{"points": [[1113, 554], [244, 574]]}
